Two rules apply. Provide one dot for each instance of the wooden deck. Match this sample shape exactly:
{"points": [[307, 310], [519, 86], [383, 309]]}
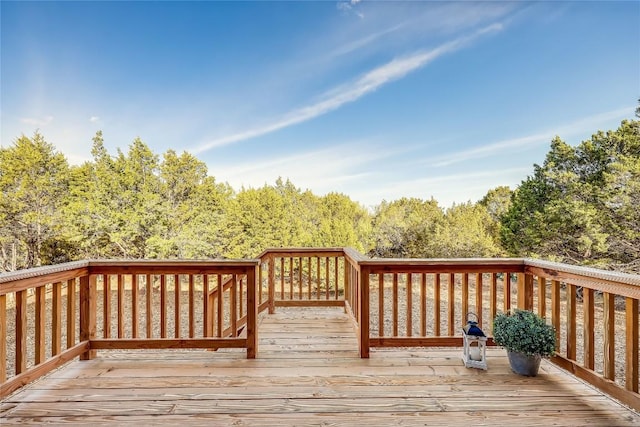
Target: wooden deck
{"points": [[307, 373]]}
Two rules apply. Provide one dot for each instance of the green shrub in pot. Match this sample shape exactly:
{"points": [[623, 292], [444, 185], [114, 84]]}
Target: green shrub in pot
{"points": [[527, 337]]}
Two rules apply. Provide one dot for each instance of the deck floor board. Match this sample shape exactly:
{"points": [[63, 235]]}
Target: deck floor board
{"points": [[308, 373]]}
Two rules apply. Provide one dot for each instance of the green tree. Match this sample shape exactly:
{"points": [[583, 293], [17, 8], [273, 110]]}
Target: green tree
{"points": [[34, 182], [343, 222], [115, 205], [405, 228], [580, 206], [466, 233]]}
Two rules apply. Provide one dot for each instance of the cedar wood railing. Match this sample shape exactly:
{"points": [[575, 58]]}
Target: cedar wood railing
{"points": [[393, 302]]}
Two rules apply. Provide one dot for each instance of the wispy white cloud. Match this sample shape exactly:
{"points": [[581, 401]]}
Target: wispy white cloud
{"points": [[351, 46], [446, 189], [37, 121], [94, 119], [330, 169], [349, 7], [585, 124], [367, 83]]}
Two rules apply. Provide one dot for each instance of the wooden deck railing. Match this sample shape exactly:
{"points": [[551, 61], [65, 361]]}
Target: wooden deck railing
{"points": [[50, 315], [142, 305], [302, 277], [408, 302]]}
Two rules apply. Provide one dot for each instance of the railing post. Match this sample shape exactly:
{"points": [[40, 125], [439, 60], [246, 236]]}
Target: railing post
{"points": [[525, 291], [87, 313], [272, 286], [363, 321], [252, 312], [631, 358]]}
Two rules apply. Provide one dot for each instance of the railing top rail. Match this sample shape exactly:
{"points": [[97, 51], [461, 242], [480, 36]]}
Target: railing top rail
{"points": [[612, 276], [171, 266], [355, 255], [287, 251], [22, 279], [175, 263], [442, 261], [445, 265], [41, 271]]}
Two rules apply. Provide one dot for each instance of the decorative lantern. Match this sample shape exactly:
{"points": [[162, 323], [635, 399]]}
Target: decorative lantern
{"points": [[474, 344]]}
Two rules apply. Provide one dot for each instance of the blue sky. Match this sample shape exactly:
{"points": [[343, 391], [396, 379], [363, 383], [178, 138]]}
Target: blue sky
{"points": [[378, 100]]}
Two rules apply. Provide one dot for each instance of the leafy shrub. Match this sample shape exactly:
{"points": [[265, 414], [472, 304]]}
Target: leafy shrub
{"points": [[525, 332]]}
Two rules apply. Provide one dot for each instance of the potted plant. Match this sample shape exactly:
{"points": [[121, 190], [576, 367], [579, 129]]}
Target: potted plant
{"points": [[527, 338]]}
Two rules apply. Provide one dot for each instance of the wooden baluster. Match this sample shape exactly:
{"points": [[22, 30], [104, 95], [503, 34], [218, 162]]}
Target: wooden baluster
{"points": [[149, 305], [272, 286], [3, 338], [71, 313], [56, 319], [423, 304], [106, 306], [318, 277], [346, 283], [234, 309], [134, 306], [588, 328], [40, 338], [542, 297], [21, 332], [555, 310], [176, 304], [163, 306], [571, 322], [282, 278], [436, 304], [465, 296], [120, 306], [241, 295], [336, 281], [409, 305], [326, 275], [300, 278], [309, 275], [260, 283], [493, 298], [220, 309], [395, 304], [479, 298], [452, 304], [506, 282], [291, 278], [632, 349], [192, 307], [609, 336], [206, 326], [380, 304]]}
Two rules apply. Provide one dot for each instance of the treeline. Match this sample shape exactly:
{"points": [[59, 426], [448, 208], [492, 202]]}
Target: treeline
{"points": [[580, 206]]}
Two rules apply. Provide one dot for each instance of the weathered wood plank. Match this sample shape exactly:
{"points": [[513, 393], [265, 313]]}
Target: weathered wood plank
{"points": [[308, 373], [569, 418], [315, 405]]}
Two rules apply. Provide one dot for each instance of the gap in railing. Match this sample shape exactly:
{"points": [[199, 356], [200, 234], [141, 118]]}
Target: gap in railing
{"points": [[304, 278]]}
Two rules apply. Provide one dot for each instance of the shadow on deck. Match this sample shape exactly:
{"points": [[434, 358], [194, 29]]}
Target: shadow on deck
{"points": [[308, 373]]}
